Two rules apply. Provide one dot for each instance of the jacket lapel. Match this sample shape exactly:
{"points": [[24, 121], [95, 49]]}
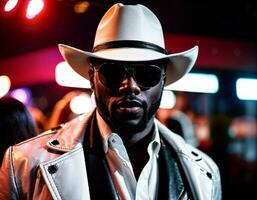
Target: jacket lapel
{"points": [[66, 176], [170, 182], [100, 182], [195, 171], [81, 167]]}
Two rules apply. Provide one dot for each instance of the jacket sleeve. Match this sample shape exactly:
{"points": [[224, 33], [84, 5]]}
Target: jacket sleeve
{"points": [[217, 192], [8, 183], [217, 186]]}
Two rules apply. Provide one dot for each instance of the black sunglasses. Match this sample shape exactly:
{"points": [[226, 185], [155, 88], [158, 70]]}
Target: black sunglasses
{"points": [[112, 74]]}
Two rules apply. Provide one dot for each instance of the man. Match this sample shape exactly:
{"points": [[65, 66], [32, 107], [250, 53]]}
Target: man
{"points": [[119, 150]]}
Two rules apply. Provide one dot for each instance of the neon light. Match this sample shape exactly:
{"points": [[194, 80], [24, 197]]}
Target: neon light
{"points": [[34, 8], [66, 76], [5, 85], [10, 5], [246, 89], [168, 99], [196, 82]]}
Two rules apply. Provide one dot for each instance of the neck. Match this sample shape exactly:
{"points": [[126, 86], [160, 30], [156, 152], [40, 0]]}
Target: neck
{"points": [[138, 154], [136, 137], [126, 133]]}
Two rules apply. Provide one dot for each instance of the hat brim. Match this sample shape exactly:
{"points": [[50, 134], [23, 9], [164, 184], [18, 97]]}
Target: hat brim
{"points": [[179, 63]]}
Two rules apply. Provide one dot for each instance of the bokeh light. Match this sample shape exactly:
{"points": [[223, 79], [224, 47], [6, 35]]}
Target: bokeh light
{"points": [[5, 85], [22, 94], [168, 99], [10, 5], [81, 104], [66, 76], [34, 8], [196, 82], [246, 89]]}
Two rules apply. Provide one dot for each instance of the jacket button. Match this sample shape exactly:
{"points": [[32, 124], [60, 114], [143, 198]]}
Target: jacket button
{"points": [[52, 169], [209, 175], [55, 142], [194, 153]]}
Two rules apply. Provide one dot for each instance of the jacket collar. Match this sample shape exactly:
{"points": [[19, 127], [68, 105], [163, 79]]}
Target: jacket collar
{"points": [[71, 134]]}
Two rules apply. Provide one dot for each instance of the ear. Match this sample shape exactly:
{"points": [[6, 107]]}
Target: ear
{"points": [[91, 77]]}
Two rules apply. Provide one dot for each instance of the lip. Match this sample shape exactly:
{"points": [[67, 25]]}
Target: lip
{"points": [[128, 106], [129, 103]]}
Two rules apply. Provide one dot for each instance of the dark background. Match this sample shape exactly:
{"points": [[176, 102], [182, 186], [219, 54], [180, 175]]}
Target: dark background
{"points": [[58, 22], [229, 20]]}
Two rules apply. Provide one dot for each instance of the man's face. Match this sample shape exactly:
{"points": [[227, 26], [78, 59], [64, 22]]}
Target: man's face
{"points": [[124, 101]]}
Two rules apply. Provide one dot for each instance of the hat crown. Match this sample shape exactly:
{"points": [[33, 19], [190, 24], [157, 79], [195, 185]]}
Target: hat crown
{"points": [[129, 22], [130, 33]]}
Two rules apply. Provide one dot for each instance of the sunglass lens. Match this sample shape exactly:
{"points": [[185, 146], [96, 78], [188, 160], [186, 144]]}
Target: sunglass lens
{"points": [[111, 74], [147, 76]]}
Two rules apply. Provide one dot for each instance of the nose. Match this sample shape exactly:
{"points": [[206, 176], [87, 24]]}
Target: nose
{"points": [[129, 85]]}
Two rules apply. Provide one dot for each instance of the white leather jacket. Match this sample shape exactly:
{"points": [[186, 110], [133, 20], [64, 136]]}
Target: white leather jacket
{"points": [[52, 166]]}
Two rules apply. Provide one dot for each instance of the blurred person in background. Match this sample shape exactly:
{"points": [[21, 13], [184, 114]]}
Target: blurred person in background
{"points": [[62, 111], [40, 119], [119, 150], [16, 123], [241, 170], [180, 123], [177, 120]]}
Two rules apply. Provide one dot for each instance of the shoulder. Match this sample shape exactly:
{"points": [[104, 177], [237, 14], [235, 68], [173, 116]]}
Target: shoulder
{"points": [[42, 148], [189, 152], [32, 148], [199, 167], [39, 139], [204, 161]]}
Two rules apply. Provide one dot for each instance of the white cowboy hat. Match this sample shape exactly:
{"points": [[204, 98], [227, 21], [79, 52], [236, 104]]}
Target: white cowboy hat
{"points": [[130, 33]]}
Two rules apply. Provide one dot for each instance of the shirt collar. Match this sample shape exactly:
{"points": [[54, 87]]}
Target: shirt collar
{"points": [[156, 143], [104, 129]]}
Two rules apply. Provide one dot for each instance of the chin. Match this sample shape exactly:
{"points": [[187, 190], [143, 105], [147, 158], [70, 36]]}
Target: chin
{"points": [[132, 125]]}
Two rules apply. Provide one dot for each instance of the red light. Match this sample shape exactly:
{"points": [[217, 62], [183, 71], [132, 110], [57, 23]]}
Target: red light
{"points": [[10, 5], [34, 8]]}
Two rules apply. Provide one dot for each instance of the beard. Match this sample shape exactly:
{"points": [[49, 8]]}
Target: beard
{"points": [[125, 127]]}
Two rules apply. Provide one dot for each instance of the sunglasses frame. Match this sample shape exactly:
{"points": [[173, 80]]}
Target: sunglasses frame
{"points": [[129, 70]]}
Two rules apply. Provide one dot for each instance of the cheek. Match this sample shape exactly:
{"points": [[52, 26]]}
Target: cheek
{"points": [[102, 95], [154, 94]]}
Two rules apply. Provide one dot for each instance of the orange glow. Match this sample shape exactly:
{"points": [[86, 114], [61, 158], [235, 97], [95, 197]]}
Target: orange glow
{"points": [[10, 5], [81, 7], [34, 8]]}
